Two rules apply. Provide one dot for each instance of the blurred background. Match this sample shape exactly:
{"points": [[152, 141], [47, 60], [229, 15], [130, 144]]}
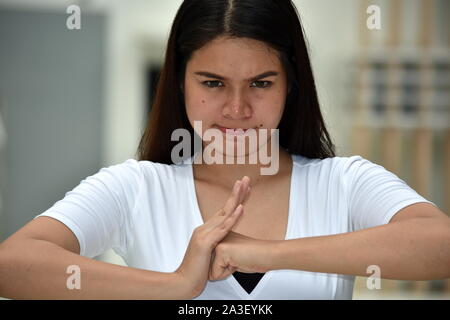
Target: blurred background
{"points": [[75, 100]]}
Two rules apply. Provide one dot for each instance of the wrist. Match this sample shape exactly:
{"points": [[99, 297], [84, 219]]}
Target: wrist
{"points": [[185, 289], [168, 286], [271, 254]]}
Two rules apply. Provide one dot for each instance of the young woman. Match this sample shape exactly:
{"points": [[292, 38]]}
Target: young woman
{"points": [[206, 230]]}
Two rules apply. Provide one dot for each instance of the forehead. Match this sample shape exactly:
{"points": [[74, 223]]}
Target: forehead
{"points": [[235, 56]]}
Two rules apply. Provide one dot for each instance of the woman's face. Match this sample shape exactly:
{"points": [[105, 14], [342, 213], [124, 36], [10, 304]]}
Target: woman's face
{"points": [[235, 83]]}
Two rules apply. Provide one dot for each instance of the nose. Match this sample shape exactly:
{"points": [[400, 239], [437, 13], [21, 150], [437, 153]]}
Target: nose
{"points": [[237, 107]]}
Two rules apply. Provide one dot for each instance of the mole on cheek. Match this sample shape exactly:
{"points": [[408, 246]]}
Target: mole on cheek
{"points": [[203, 101]]}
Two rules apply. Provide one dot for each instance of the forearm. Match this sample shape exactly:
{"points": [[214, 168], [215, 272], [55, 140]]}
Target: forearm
{"points": [[414, 249], [36, 269]]}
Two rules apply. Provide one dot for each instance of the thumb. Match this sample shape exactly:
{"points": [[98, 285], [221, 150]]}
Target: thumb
{"points": [[219, 271]]}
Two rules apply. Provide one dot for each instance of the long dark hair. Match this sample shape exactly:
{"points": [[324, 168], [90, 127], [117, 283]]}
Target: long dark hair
{"points": [[302, 128]]}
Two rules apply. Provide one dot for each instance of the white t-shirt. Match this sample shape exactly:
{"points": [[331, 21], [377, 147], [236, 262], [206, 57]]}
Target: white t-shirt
{"points": [[147, 211]]}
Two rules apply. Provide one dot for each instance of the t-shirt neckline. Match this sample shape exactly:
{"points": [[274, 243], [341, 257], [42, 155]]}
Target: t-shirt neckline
{"points": [[199, 221]]}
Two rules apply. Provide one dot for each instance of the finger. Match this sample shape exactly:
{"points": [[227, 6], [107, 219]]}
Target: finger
{"points": [[237, 196], [231, 269], [213, 256], [218, 270], [228, 271], [244, 271], [247, 195], [231, 202], [230, 221], [219, 230], [219, 273], [213, 274], [244, 189]]}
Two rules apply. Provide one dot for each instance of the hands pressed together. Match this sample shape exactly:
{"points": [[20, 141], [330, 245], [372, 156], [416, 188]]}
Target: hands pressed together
{"points": [[215, 252]]}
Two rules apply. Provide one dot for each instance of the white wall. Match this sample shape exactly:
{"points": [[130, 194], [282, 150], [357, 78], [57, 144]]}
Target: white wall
{"points": [[137, 34], [331, 31]]}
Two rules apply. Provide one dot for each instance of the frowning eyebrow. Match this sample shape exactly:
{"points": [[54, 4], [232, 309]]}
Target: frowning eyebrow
{"points": [[255, 78]]}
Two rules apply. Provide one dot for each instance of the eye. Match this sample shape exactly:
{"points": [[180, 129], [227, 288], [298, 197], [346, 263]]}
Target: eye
{"points": [[212, 84], [261, 84]]}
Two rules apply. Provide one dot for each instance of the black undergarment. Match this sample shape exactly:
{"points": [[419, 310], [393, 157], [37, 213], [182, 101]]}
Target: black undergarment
{"points": [[248, 280]]}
